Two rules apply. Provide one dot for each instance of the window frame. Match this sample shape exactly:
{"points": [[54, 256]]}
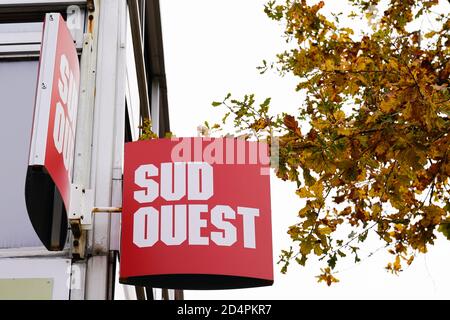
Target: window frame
{"points": [[28, 17]]}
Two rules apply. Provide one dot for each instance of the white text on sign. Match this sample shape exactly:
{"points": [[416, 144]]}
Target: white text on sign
{"points": [[63, 134], [173, 225]]}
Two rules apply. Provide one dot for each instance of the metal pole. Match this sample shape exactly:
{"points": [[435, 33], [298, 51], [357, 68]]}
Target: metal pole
{"points": [[83, 141], [106, 210], [109, 119], [155, 106]]}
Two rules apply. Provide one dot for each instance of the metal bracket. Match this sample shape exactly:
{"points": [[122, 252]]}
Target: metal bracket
{"points": [[79, 240], [90, 5], [75, 19], [80, 217], [115, 225], [81, 204]]}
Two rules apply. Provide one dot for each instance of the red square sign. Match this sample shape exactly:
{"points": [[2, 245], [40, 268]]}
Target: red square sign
{"points": [[196, 214]]}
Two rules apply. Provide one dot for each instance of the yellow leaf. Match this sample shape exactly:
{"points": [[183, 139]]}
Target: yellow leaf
{"points": [[397, 264], [393, 64], [339, 115], [324, 230], [376, 210], [387, 105], [344, 132], [304, 193], [302, 213], [329, 65], [381, 149], [318, 249], [410, 260], [317, 188], [305, 248]]}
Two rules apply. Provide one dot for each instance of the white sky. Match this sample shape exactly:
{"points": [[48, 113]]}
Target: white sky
{"points": [[213, 47]]}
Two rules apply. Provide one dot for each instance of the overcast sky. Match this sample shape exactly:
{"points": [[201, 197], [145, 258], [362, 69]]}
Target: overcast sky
{"points": [[213, 47]]}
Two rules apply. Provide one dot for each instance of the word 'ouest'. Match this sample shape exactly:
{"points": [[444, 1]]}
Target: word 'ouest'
{"points": [[173, 225]]}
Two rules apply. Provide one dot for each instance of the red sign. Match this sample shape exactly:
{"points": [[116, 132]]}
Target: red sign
{"points": [[55, 115], [196, 214]]}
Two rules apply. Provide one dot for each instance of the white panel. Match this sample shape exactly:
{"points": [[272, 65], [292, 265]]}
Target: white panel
{"points": [[27, 37], [29, 252], [22, 37], [57, 269], [30, 27], [21, 33], [78, 280], [96, 281], [44, 92], [29, 50], [17, 91]]}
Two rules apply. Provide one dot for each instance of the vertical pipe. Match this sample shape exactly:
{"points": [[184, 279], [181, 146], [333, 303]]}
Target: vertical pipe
{"points": [[107, 143], [111, 274], [155, 106]]}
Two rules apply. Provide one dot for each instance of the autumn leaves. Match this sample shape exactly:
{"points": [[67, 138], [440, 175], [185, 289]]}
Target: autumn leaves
{"points": [[376, 155]]}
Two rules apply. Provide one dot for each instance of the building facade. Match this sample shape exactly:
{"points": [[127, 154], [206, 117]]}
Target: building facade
{"points": [[122, 82]]}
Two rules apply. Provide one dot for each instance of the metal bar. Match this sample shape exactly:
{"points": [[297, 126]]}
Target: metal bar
{"points": [[106, 209], [83, 149], [149, 293], [142, 4], [19, 55], [31, 252], [155, 106], [137, 33], [179, 295], [165, 294], [140, 292], [111, 274], [119, 128], [17, 5]]}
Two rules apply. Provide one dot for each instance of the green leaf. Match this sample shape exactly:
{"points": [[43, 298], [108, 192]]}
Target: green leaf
{"points": [[342, 254], [332, 261], [352, 234], [302, 260], [224, 119], [309, 179], [444, 228], [266, 102], [363, 236]]}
